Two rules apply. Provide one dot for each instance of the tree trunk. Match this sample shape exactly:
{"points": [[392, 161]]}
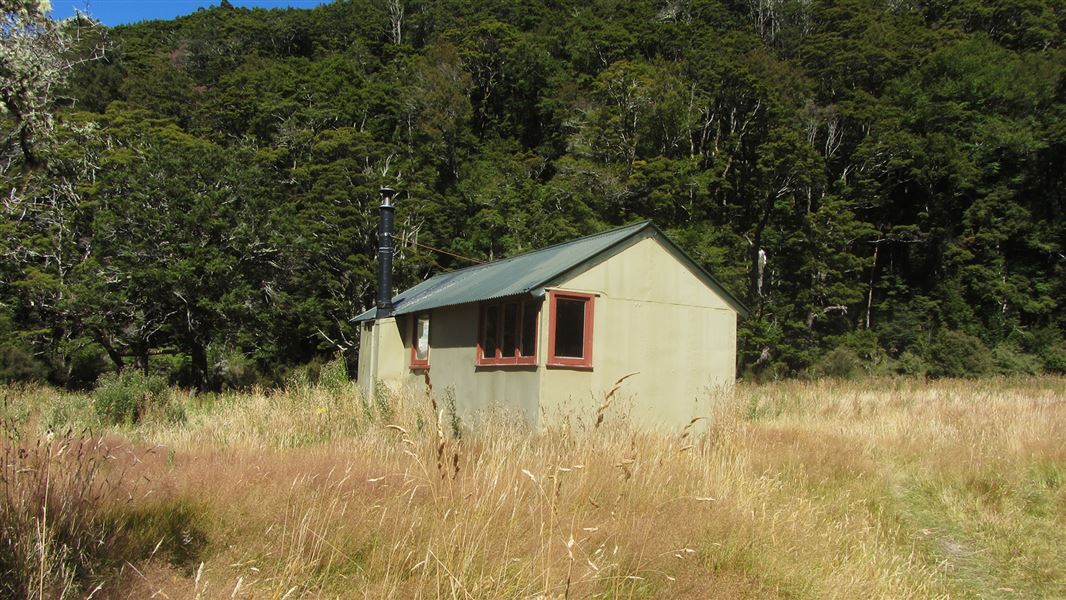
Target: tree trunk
{"points": [[870, 291], [142, 358], [114, 355], [198, 355], [756, 257]]}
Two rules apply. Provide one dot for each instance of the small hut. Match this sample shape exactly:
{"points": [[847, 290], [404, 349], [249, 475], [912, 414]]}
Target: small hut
{"points": [[547, 333]]}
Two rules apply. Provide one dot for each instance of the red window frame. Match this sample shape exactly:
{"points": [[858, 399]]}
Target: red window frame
{"points": [[415, 362], [499, 359], [585, 361]]}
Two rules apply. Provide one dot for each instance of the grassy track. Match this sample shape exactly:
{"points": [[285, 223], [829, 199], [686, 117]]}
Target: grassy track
{"points": [[879, 489]]}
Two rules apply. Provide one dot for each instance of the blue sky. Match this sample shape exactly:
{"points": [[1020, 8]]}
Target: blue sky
{"points": [[118, 12]]}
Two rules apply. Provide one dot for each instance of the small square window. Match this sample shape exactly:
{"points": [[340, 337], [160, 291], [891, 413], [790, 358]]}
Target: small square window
{"points": [[570, 330]]}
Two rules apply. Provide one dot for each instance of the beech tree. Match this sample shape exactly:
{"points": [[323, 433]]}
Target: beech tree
{"points": [[36, 58]]}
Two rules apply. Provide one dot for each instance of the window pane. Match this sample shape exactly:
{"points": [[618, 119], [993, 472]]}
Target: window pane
{"points": [[492, 326], [529, 328], [570, 328], [422, 338], [510, 329]]}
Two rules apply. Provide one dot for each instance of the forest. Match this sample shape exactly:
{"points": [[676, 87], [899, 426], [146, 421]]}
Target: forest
{"points": [[881, 181]]}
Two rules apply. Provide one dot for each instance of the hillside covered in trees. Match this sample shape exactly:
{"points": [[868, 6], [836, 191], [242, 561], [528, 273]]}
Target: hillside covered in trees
{"points": [[882, 181]]}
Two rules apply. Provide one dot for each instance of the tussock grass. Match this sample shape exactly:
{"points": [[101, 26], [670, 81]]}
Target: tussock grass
{"points": [[51, 491], [888, 489]]}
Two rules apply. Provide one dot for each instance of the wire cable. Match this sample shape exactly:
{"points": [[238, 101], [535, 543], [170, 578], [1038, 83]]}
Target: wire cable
{"points": [[460, 256]]}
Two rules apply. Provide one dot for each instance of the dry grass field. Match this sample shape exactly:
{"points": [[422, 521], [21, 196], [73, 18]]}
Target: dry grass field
{"points": [[877, 489]]}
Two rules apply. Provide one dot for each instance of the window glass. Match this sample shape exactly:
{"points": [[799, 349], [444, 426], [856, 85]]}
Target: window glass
{"points": [[492, 326], [529, 328], [510, 329], [570, 328], [509, 332], [422, 338]]}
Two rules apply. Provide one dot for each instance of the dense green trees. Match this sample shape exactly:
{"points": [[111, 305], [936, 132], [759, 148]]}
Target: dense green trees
{"points": [[881, 181]]}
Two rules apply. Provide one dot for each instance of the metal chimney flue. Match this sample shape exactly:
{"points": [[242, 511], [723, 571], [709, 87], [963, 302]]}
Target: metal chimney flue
{"points": [[386, 223]]}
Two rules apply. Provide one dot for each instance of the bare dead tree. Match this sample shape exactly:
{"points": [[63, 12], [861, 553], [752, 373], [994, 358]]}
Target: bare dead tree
{"points": [[396, 11]]}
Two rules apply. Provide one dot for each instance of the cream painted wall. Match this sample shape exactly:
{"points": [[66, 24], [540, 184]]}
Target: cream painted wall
{"points": [[381, 355], [653, 316], [453, 347], [656, 318], [452, 370], [646, 272], [366, 352]]}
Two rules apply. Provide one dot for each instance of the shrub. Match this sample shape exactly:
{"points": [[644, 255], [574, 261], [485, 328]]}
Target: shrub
{"points": [[84, 365], [331, 375], [913, 363], [305, 375], [840, 362], [1048, 344], [1010, 360], [68, 412], [299, 377], [854, 354], [130, 396], [957, 354], [1054, 359], [18, 365], [334, 375], [237, 371]]}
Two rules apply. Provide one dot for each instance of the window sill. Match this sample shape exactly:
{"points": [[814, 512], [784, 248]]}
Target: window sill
{"points": [[569, 365], [509, 367], [506, 362]]}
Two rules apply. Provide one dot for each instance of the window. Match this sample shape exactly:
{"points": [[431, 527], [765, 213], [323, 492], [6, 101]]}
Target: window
{"points": [[420, 342], [570, 330], [508, 333]]}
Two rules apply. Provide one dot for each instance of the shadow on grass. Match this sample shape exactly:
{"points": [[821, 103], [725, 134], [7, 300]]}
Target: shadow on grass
{"points": [[170, 530]]}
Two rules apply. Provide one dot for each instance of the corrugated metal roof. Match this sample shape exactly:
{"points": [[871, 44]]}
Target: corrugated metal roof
{"points": [[522, 274]]}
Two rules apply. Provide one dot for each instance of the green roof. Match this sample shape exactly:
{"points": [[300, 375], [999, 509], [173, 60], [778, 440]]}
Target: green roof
{"points": [[527, 273]]}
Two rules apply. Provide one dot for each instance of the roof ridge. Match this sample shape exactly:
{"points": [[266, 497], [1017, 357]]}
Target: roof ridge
{"points": [[636, 225], [526, 272]]}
